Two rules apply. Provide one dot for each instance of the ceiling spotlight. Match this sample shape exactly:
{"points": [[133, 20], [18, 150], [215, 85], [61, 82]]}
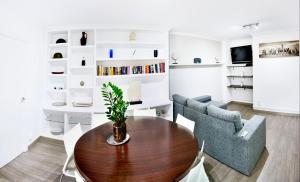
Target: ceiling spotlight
{"points": [[251, 26]]}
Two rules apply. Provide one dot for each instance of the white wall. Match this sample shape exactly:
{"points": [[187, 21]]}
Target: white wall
{"points": [[199, 80], [28, 58], [230, 94], [276, 80]]}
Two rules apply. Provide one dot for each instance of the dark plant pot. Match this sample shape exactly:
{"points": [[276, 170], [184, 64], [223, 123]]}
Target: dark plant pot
{"points": [[119, 132], [83, 39]]}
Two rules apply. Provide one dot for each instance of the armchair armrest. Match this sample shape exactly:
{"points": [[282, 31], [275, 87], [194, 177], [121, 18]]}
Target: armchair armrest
{"points": [[203, 98], [252, 126], [248, 148]]}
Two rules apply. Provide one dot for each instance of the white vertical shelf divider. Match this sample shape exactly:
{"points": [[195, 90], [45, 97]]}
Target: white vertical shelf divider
{"points": [[68, 67], [95, 89]]}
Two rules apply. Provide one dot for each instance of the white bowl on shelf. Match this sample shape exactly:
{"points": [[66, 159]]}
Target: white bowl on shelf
{"points": [[58, 103], [82, 99], [57, 69]]}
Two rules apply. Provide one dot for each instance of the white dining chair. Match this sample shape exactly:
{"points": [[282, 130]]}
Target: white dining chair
{"points": [[78, 177], [181, 120], [70, 139], [185, 122], [144, 112], [200, 154], [197, 173]]}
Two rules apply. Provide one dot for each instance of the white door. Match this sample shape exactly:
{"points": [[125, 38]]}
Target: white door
{"points": [[13, 56]]}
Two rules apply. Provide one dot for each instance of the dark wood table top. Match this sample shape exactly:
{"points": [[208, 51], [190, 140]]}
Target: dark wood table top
{"points": [[158, 151]]}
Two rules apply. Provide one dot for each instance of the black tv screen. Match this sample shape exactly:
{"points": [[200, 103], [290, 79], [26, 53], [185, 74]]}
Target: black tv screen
{"points": [[241, 54]]}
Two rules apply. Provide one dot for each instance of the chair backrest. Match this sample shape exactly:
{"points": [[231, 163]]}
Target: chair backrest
{"points": [[78, 177], [185, 122], [178, 104], [198, 173], [200, 154], [71, 137], [144, 112]]}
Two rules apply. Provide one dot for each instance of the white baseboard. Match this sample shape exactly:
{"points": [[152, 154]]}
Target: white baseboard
{"points": [[48, 134], [278, 110], [32, 142], [238, 101]]}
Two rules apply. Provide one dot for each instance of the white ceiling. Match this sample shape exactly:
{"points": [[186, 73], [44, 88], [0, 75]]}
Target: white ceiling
{"points": [[218, 19]]}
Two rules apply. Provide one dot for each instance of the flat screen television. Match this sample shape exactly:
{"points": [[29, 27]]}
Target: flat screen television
{"points": [[242, 55]]}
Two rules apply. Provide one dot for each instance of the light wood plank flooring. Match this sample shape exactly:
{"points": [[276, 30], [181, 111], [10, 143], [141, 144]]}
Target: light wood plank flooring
{"points": [[278, 163]]}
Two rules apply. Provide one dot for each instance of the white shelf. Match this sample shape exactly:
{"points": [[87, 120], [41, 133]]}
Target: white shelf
{"points": [[58, 45], [69, 109], [129, 59], [131, 75], [58, 75], [196, 65], [147, 103], [150, 104], [81, 88], [82, 67], [83, 47], [57, 60], [236, 65], [57, 91], [129, 44]]}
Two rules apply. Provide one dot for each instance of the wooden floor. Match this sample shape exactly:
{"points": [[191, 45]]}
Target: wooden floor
{"points": [[279, 162]]}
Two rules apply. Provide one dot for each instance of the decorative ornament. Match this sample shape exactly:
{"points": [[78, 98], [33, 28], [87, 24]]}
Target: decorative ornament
{"points": [[132, 36], [82, 83]]}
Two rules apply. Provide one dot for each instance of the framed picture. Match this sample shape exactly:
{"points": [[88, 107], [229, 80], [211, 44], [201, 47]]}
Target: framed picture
{"points": [[279, 49]]}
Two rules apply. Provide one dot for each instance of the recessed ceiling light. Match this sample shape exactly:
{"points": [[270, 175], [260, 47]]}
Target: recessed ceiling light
{"points": [[251, 26]]}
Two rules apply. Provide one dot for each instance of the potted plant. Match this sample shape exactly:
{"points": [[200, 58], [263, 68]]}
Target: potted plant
{"points": [[116, 109]]}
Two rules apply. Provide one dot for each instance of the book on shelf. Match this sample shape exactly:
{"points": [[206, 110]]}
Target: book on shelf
{"points": [[127, 70], [112, 70], [154, 68], [137, 70]]}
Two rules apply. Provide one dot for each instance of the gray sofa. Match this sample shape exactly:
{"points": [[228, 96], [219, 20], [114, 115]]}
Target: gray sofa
{"points": [[224, 132]]}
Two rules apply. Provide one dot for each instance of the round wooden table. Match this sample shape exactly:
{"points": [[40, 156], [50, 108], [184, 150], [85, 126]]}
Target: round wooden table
{"points": [[158, 151]]}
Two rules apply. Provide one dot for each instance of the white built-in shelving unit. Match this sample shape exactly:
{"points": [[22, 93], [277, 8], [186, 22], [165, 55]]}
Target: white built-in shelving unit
{"points": [[240, 82], [129, 53]]}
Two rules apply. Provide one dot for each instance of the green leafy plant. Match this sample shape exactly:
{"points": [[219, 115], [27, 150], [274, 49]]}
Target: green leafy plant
{"points": [[116, 106]]}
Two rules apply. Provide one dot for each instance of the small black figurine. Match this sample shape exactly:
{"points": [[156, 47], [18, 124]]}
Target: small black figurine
{"points": [[155, 52], [197, 60], [83, 39], [83, 62]]}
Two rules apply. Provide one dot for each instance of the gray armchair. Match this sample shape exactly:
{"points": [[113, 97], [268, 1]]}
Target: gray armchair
{"points": [[233, 142]]}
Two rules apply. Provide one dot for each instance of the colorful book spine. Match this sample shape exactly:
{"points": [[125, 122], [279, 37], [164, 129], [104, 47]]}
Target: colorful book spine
{"points": [[101, 70]]}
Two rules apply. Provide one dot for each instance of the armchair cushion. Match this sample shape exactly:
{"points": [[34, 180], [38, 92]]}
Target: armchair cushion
{"points": [[180, 99], [218, 104], [231, 116], [203, 98], [197, 106]]}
